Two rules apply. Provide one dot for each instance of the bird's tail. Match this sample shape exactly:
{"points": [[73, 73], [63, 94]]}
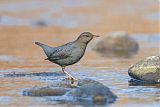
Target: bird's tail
{"points": [[47, 49], [39, 44]]}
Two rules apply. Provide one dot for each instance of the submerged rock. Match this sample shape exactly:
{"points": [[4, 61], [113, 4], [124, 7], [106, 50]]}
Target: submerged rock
{"points": [[146, 70], [117, 44], [55, 89], [45, 91], [34, 74]]}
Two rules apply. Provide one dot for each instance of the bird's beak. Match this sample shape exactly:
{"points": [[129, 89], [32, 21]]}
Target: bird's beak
{"points": [[96, 36]]}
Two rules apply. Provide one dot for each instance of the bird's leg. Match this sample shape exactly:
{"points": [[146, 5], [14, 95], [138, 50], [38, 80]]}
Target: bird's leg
{"points": [[63, 68], [69, 75]]}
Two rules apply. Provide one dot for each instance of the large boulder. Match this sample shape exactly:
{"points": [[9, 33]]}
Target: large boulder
{"points": [[146, 70], [94, 93], [117, 44]]}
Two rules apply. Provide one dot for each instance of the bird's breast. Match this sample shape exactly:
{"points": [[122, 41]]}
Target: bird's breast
{"points": [[78, 53]]}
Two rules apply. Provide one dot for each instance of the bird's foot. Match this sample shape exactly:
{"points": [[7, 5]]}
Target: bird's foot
{"points": [[73, 80], [70, 77]]}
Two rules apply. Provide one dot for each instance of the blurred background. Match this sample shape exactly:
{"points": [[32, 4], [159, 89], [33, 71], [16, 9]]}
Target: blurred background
{"points": [[55, 22]]}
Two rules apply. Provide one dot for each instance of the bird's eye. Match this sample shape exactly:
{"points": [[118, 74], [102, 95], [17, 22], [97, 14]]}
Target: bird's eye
{"points": [[87, 35]]}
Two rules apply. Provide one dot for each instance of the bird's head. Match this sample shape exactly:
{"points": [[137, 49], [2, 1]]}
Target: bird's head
{"points": [[86, 37]]}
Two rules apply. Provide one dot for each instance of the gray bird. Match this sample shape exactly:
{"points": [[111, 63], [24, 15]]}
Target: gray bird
{"points": [[69, 53]]}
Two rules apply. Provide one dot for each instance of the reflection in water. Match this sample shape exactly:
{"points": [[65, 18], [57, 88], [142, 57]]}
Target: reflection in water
{"points": [[134, 82]]}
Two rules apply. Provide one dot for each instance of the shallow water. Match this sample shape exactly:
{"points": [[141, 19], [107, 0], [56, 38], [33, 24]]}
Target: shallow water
{"points": [[57, 22], [111, 71]]}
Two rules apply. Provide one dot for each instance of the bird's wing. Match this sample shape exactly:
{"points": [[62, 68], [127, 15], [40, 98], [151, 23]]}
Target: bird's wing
{"points": [[58, 56], [60, 53]]}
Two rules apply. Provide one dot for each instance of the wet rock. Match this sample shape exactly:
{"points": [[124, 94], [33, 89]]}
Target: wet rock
{"points": [[146, 70], [117, 44], [55, 89], [64, 84], [86, 81], [86, 91], [45, 91], [95, 93]]}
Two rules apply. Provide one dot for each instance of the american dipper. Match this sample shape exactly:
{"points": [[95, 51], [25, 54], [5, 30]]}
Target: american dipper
{"points": [[69, 53]]}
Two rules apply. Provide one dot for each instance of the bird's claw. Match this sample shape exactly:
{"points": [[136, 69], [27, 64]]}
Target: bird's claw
{"points": [[73, 80]]}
